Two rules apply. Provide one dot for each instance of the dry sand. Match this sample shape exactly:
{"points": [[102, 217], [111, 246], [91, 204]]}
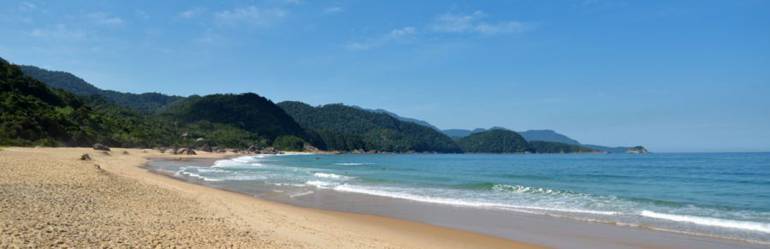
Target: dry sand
{"points": [[50, 198]]}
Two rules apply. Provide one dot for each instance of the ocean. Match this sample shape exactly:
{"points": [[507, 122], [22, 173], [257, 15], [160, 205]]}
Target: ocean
{"points": [[720, 195]]}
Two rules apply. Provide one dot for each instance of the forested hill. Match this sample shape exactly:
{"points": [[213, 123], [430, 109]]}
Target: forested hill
{"points": [[494, 141], [348, 128], [33, 114], [500, 140], [145, 102], [248, 111]]}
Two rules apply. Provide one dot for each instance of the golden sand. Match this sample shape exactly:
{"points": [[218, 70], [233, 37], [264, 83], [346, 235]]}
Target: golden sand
{"points": [[50, 198]]}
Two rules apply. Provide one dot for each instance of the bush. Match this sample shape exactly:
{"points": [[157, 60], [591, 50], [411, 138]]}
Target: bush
{"points": [[289, 143]]}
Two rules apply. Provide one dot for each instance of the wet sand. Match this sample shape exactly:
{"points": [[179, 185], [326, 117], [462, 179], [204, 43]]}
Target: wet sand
{"points": [[50, 198]]}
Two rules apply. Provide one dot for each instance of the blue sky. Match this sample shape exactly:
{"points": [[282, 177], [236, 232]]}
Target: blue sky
{"points": [[670, 75]]}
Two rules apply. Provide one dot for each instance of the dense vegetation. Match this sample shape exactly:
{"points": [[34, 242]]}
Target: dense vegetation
{"points": [[145, 102], [33, 114], [346, 128], [41, 107], [248, 111], [554, 147], [494, 141]]}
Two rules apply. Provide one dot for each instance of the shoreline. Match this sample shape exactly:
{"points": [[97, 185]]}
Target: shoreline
{"points": [[541, 229], [263, 223]]}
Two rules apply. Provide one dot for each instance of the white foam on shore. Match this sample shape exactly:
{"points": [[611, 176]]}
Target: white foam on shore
{"points": [[458, 202], [707, 221], [301, 194], [196, 175], [321, 184], [239, 162], [331, 176], [353, 164]]}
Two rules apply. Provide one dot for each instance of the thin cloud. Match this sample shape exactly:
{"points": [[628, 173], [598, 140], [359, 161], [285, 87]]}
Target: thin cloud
{"points": [[191, 13], [396, 35], [24, 6], [250, 15], [448, 23], [333, 10], [104, 19], [59, 32], [474, 23]]}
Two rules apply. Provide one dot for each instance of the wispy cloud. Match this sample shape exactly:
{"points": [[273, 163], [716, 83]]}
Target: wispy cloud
{"points": [[397, 35], [24, 6], [59, 32], [444, 24], [104, 19], [250, 15], [474, 23], [141, 14], [333, 10], [191, 13], [293, 1]]}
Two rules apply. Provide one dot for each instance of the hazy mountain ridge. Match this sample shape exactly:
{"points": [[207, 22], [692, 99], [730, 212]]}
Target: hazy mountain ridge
{"points": [[144, 102], [552, 136]]}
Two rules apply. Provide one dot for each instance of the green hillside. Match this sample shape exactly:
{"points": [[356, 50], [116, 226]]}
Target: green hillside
{"points": [[346, 128], [494, 141], [33, 114], [248, 112]]}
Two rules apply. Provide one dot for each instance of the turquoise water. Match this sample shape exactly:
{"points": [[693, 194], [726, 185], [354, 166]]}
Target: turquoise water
{"points": [[717, 195]]}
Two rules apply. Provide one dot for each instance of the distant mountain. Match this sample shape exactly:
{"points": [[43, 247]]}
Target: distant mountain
{"points": [[500, 140], [494, 141], [349, 128], [555, 147], [405, 119], [145, 102], [459, 133], [547, 136], [619, 149]]}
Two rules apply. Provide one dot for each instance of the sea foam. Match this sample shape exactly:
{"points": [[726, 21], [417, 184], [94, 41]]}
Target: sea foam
{"points": [[707, 221], [238, 162], [331, 176], [461, 202], [352, 164]]}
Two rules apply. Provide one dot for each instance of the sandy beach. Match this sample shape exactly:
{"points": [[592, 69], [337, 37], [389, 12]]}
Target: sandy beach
{"points": [[51, 198]]}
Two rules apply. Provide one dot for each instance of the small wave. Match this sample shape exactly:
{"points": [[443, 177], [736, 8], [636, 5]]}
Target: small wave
{"points": [[331, 176], [708, 221], [321, 184], [244, 161], [289, 184], [353, 164], [243, 178], [301, 194], [195, 175], [525, 189], [458, 202]]}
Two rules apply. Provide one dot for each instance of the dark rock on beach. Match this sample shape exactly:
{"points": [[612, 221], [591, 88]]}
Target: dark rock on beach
{"points": [[101, 147]]}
